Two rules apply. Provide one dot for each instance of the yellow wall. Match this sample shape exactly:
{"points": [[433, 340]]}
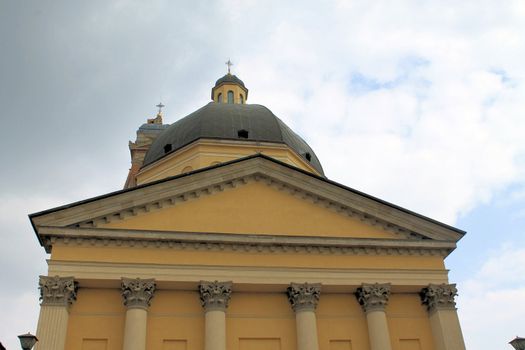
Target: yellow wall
{"points": [[264, 210], [341, 323], [96, 319], [254, 321], [175, 321], [408, 323], [260, 321], [204, 153]]}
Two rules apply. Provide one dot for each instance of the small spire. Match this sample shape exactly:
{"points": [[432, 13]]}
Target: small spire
{"points": [[229, 63]]}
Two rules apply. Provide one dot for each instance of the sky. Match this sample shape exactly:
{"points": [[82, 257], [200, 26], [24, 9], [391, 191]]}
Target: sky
{"points": [[420, 103]]}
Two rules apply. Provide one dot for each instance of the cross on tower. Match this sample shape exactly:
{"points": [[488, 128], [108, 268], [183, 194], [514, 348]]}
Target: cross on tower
{"points": [[160, 105], [229, 64]]}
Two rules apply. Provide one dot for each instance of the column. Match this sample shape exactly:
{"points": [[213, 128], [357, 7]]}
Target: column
{"points": [[56, 295], [444, 322], [304, 298], [137, 294], [215, 297], [374, 298]]}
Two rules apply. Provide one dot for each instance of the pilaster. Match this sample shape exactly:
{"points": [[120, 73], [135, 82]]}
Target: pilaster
{"points": [[444, 322], [56, 295]]}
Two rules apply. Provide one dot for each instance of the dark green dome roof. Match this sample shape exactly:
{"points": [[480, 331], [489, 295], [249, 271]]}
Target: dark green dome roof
{"points": [[229, 78], [245, 122]]}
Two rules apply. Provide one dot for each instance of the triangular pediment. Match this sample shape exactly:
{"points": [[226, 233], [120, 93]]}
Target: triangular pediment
{"points": [[254, 206], [256, 195]]}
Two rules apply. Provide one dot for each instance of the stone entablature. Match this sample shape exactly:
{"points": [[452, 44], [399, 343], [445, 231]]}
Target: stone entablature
{"points": [[215, 295], [57, 291], [137, 293], [373, 297], [439, 296], [253, 243], [304, 296]]}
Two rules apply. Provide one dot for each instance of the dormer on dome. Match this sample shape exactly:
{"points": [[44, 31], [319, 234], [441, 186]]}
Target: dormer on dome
{"points": [[229, 89]]}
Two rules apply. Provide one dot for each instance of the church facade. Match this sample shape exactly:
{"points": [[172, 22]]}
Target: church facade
{"points": [[228, 235]]}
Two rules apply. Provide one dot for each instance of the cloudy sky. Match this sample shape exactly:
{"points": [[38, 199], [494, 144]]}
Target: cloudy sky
{"points": [[421, 103]]}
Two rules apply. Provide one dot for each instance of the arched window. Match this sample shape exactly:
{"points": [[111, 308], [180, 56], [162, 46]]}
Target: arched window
{"points": [[230, 96], [242, 99], [219, 98]]}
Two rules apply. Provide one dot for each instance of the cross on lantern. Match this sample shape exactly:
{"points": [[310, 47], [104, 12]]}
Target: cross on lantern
{"points": [[229, 64], [160, 105]]}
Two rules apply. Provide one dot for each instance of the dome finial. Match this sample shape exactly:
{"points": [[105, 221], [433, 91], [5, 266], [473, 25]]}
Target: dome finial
{"points": [[158, 118], [160, 105], [229, 63]]}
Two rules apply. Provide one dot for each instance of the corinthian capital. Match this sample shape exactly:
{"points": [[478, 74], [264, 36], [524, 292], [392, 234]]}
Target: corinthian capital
{"points": [[215, 295], [304, 296], [439, 296], [137, 293], [58, 291], [373, 296]]}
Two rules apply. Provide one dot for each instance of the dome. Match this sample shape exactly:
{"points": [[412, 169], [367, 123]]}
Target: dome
{"points": [[229, 78], [229, 122]]}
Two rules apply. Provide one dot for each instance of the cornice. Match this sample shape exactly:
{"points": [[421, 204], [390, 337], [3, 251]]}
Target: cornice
{"points": [[257, 169], [242, 242]]}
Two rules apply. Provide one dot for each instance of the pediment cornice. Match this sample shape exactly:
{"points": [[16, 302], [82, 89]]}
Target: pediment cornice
{"points": [[261, 243], [176, 190]]}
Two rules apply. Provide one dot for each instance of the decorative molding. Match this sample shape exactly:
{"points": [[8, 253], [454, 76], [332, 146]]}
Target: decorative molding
{"points": [[57, 291], [244, 243], [137, 293], [270, 278], [215, 295], [373, 297], [319, 200], [439, 296], [304, 296]]}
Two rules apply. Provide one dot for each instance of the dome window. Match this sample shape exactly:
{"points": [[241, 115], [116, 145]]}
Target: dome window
{"points": [[230, 96], [167, 148], [242, 134], [219, 98], [242, 99], [308, 156]]}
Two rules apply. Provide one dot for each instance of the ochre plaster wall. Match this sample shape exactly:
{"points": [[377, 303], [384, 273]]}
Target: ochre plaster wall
{"points": [[264, 210], [341, 323], [260, 321], [408, 323], [254, 321], [175, 321], [204, 153], [97, 317]]}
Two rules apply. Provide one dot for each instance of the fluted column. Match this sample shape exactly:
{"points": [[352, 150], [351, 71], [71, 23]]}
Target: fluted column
{"points": [[215, 297], [374, 298], [304, 298], [137, 294], [56, 295], [444, 322]]}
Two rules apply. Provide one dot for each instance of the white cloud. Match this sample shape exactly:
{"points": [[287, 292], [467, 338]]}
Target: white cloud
{"points": [[444, 110], [491, 306]]}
